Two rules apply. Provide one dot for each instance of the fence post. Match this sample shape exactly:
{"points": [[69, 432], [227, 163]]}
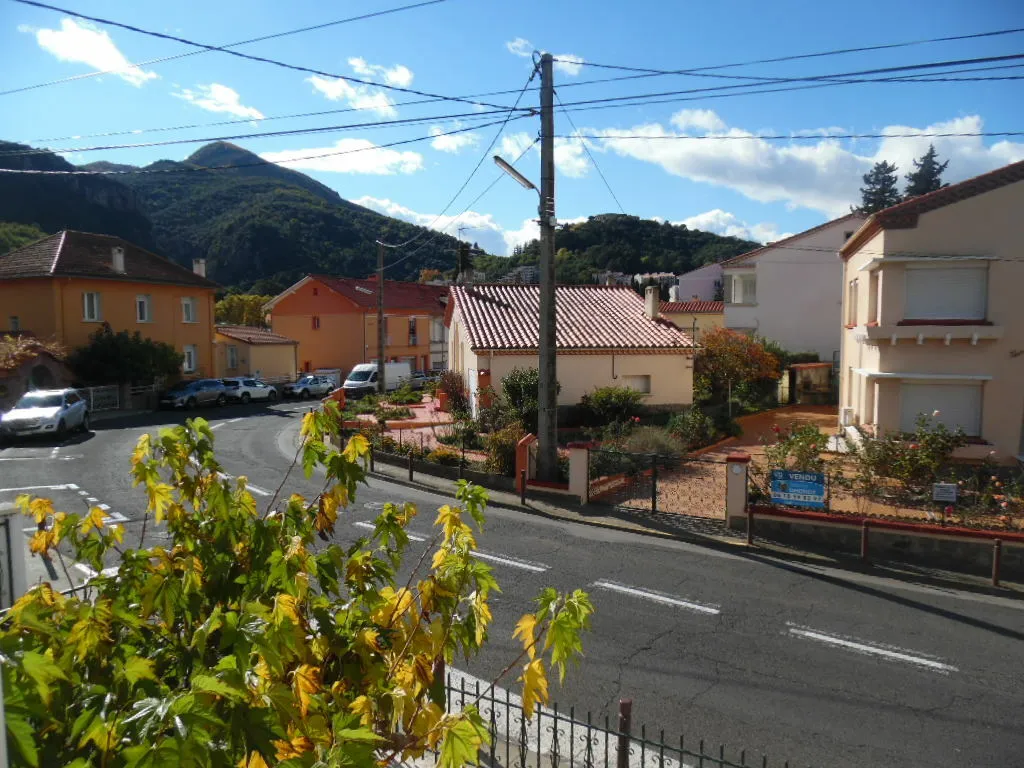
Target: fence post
{"points": [[462, 463], [522, 487], [625, 723], [371, 457], [997, 560], [750, 525], [864, 541], [654, 483], [410, 463], [736, 469]]}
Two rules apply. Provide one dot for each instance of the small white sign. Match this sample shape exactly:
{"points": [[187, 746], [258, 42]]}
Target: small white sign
{"points": [[944, 492]]}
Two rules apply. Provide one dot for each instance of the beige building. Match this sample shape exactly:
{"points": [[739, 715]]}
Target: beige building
{"points": [[241, 350], [695, 317], [606, 336], [933, 317]]}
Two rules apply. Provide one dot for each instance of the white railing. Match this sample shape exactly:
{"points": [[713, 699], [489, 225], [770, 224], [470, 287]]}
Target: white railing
{"points": [[106, 398]]}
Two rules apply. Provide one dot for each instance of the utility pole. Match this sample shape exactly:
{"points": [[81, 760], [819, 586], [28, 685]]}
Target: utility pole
{"points": [[547, 421], [380, 318]]}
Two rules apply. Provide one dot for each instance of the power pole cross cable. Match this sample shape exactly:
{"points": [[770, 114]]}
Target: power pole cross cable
{"points": [[547, 418], [380, 319]]}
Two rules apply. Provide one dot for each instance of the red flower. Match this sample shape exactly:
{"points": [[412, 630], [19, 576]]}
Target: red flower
{"points": [[775, 428], [949, 510], [636, 419], [913, 446]]}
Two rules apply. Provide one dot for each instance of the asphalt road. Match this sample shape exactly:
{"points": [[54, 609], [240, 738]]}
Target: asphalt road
{"points": [[801, 663]]}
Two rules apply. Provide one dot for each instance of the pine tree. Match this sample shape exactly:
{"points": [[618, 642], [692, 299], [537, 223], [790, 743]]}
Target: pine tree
{"points": [[927, 174], [880, 188]]}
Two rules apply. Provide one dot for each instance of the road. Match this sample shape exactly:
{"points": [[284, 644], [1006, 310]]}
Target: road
{"points": [[801, 663]]}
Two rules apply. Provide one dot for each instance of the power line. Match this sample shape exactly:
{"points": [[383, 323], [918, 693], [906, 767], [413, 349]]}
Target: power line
{"points": [[772, 137], [249, 57], [476, 168], [197, 169], [583, 143], [187, 54]]}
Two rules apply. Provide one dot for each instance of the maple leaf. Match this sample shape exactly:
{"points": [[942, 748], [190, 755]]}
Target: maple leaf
{"points": [[356, 447], [363, 706], [95, 519], [462, 740], [159, 499], [526, 631], [535, 686], [296, 745], [255, 761], [306, 683]]}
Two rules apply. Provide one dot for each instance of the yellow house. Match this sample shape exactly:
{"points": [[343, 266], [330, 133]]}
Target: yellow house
{"points": [[66, 286], [241, 350], [933, 317], [695, 317]]}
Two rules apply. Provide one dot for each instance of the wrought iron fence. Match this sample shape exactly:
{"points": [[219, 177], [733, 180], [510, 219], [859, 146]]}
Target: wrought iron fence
{"points": [[559, 738], [107, 398]]}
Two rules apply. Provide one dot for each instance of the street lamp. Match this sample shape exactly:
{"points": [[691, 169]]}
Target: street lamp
{"points": [[507, 168]]}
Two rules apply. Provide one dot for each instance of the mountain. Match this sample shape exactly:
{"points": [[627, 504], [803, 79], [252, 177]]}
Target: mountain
{"points": [[261, 227]]}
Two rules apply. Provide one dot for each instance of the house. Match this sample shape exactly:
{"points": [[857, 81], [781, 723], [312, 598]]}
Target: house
{"points": [[790, 291], [695, 317], [242, 350], [701, 284], [526, 273], [66, 286], [605, 336], [27, 363], [334, 321], [933, 318]]}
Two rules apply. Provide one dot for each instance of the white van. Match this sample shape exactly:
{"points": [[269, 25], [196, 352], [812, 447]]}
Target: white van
{"points": [[362, 379]]}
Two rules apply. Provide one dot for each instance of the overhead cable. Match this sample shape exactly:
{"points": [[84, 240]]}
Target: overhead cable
{"points": [[583, 143]]}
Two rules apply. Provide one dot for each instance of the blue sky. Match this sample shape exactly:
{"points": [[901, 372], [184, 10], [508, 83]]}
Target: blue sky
{"points": [[750, 187]]}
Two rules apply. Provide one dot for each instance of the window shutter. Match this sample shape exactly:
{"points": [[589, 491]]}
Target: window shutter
{"points": [[959, 405], [946, 293]]}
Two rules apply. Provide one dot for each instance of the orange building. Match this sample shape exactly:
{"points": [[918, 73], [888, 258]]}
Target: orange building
{"points": [[334, 319], [65, 286]]}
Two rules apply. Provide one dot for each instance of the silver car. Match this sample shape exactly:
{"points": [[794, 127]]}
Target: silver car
{"points": [[46, 412], [242, 390], [309, 386]]}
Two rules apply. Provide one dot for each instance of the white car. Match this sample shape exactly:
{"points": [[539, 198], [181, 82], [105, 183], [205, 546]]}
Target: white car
{"points": [[243, 390], [308, 386], [46, 412]]}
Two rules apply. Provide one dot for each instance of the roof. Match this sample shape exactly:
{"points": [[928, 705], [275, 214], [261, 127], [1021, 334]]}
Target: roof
{"points": [[904, 215], [743, 258], [84, 254], [15, 350], [597, 317], [363, 292], [692, 307], [250, 335]]}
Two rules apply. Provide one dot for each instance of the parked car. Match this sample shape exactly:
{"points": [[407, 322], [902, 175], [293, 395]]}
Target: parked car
{"points": [[243, 390], [362, 379], [46, 412], [308, 386], [422, 379], [196, 392]]}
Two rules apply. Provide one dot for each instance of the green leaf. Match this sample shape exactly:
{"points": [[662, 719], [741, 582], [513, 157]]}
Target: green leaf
{"points": [[462, 741], [211, 684], [23, 737], [43, 671], [138, 668]]}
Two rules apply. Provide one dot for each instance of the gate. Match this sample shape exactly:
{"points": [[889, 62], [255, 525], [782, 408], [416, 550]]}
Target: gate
{"points": [[107, 398]]}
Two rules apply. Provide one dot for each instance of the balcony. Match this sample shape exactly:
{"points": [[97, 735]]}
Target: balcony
{"points": [[974, 333]]}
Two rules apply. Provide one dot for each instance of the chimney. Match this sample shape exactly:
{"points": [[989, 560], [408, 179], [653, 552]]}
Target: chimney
{"points": [[651, 302], [673, 293], [117, 259], [199, 267]]}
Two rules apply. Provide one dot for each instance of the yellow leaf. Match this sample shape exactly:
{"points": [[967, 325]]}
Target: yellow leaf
{"points": [[525, 631], [43, 541], [94, 519], [482, 615], [363, 707], [369, 639], [255, 761], [286, 607], [160, 498], [142, 449], [327, 511], [450, 517], [296, 746], [357, 447], [395, 606], [295, 549], [306, 683], [424, 725], [308, 424], [40, 509], [117, 533], [535, 686]]}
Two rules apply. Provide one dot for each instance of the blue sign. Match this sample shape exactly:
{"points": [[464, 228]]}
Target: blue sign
{"points": [[798, 489]]}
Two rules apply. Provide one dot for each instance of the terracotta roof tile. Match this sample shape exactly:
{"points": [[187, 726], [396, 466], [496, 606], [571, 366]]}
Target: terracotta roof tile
{"points": [[743, 258], [397, 294], [250, 335], [507, 317], [83, 254], [692, 307]]}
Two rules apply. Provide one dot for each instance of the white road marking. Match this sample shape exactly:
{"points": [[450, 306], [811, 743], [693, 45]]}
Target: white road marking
{"points": [[92, 499], [91, 573], [514, 563], [370, 526], [218, 425], [658, 597], [40, 458], [887, 652], [37, 488], [72, 486], [259, 491], [53, 453], [83, 493]]}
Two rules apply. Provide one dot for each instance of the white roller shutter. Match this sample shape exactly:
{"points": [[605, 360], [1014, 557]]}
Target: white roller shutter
{"points": [[959, 405], [946, 293]]}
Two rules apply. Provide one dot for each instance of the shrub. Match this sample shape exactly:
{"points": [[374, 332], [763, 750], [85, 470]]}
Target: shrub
{"points": [[122, 358], [693, 428], [454, 387], [520, 388], [606, 405], [730, 356], [501, 449], [389, 412], [798, 448], [445, 456], [652, 440], [406, 395], [459, 433]]}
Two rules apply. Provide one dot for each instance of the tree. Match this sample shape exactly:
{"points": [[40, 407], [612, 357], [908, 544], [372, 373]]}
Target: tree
{"points": [[16, 235], [927, 174], [519, 388], [242, 309], [880, 188], [729, 357], [427, 275], [241, 639], [123, 358]]}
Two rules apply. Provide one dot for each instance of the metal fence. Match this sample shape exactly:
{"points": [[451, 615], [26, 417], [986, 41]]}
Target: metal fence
{"points": [[107, 398], [559, 738]]}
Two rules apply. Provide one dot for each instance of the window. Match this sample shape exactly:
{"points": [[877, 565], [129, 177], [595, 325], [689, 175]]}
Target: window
{"points": [[638, 383], [232, 356], [412, 333], [316, 322], [73, 398], [958, 405], [437, 330], [14, 323], [741, 289], [188, 310], [946, 293], [851, 303], [91, 307], [144, 308], [749, 289], [191, 356]]}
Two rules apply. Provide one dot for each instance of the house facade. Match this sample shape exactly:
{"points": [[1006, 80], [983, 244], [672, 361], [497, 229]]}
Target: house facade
{"points": [[66, 286], [694, 317], [241, 350], [334, 321], [605, 336], [933, 319], [791, 291], [700, 284]]}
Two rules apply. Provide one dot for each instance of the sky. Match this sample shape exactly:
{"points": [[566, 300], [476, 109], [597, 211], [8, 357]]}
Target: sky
{"points": [[697, 158]]}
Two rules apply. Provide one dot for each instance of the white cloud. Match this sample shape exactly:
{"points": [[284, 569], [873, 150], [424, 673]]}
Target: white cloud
{"points": [[520, 47], [568, 63], [453, 142], [350, 156], [357, 96], [399, 74], [514, 144], [570, 158], [81, 42], [724, 223], [702, 119], [219, 98], [823, 175]]}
